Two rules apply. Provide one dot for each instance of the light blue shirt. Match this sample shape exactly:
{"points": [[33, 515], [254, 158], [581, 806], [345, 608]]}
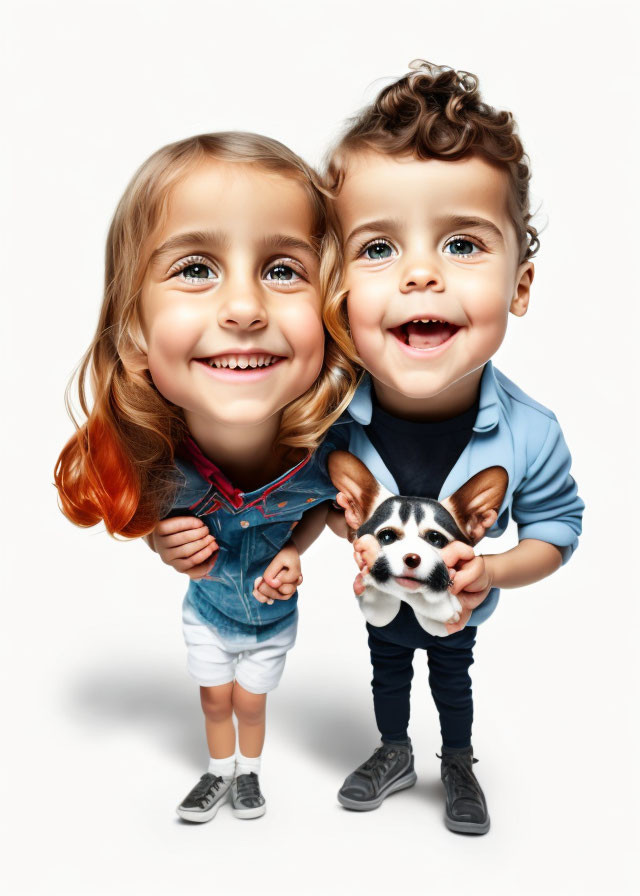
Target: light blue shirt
{"points": [[515, 432]]}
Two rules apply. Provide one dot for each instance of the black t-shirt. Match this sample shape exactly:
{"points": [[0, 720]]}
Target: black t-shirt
{"points": [[420, 455]]}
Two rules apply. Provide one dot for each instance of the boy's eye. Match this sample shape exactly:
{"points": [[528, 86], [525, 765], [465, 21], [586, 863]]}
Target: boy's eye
{"points": [[461, 247], [282, 273], [377, 250]]}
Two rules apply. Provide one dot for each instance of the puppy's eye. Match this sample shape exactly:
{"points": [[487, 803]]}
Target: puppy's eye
{"points": [[387, 536], [437, 539]]}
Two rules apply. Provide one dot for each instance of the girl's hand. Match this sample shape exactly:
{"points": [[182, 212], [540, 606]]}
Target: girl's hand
{"points": [[471, 579], [184, 543], [281, 577]]}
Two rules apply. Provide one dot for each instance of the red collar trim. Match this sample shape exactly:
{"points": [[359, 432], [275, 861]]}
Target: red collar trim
{"points": [[208, 470]]}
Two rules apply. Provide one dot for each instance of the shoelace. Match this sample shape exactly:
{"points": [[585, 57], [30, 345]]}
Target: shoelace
{"points": [[377, 765], [205, 783], [248, 787], [465, 784]]}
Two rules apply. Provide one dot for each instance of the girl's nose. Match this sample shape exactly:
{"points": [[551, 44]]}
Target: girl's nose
{"points": [[242, 308]]}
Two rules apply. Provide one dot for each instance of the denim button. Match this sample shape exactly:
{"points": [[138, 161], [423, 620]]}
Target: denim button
{"points": [[244, 523]]}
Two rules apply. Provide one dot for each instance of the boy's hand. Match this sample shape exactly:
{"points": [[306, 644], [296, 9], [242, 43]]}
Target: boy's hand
{"points": [[365, 552], [471, 579], [185, 543], [281, 577]]}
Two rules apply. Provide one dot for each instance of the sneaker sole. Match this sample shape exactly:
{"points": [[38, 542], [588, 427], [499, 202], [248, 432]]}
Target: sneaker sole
{"points": [[201, 816], [467, 827], [249, 813], [365, 805]]}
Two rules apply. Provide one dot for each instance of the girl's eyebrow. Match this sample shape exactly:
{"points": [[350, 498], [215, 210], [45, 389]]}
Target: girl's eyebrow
{"points": [[283, 241], [189, 240], [221, 240]]}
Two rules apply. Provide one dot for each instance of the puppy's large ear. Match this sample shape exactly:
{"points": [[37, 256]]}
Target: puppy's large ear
{"points": [[360, 490], [475, 506]]}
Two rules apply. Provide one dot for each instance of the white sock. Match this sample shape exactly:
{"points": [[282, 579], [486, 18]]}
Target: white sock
{"points": [[247, 764], [223, 767]]}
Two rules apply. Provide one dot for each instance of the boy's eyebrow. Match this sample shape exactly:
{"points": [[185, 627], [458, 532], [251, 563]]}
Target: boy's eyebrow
{"points": [[186, 240], [283, 241], [382, 224], [460, 222]]}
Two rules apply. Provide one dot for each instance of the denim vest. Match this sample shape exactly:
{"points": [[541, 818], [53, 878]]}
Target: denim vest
{"points": [[250, 528]]}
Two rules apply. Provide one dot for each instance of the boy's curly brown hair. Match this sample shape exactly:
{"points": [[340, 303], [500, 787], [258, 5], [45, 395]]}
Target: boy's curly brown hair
{"points": [[435, 112]]}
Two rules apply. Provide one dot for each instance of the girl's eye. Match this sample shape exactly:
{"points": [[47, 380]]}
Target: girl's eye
{"points": [[387, 536], [437, 539], [194, 270], [198, 272], [377, 251], [282, 273], [461, 247]]}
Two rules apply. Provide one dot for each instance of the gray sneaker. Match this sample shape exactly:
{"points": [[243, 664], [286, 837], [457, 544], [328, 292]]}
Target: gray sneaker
{"points": [[389, 769], [202, 803], [246, 799]]}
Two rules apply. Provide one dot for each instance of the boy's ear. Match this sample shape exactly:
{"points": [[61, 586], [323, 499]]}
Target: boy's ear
{"points": [[520, 301], [360, 490], [475, 506]]}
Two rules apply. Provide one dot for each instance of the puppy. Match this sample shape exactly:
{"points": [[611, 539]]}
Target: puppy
{"points": [[410, 533]]}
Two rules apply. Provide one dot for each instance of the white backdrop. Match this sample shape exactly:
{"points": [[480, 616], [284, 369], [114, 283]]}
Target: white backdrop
{"points": [[102, 727]]}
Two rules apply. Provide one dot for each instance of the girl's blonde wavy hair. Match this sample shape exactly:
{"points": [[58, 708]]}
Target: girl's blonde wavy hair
{"points": [[118, 466], [433, 112]]}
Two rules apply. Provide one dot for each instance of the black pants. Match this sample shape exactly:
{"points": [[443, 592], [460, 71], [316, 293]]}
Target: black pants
{"points": [[392, 647]]}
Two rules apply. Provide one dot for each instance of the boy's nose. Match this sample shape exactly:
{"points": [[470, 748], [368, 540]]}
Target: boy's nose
{"points": [[421, 275]]}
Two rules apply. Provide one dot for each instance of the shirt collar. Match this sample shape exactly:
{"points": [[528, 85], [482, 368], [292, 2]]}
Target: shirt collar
{"points": [[361, 407], [212, 474]]}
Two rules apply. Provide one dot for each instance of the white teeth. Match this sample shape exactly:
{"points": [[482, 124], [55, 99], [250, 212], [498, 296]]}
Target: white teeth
{"points": [[242, 362]]}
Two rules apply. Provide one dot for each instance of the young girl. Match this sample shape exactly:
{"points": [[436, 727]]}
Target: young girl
{"points": [[210, 356]]}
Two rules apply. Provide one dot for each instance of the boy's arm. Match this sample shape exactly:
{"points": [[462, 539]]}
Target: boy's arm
{"points": [[310, 526], [548, 511], [184, 543], [283, 575]]}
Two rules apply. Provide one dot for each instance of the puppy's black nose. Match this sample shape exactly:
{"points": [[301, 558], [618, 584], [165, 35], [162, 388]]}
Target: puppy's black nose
{"points": [[411, 560]]}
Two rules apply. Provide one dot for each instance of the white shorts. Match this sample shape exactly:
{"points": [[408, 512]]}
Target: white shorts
{"points": [[211, 660]]}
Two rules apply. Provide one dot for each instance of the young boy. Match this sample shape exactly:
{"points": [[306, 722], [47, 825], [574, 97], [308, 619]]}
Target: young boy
{"points": [[431, 188]]}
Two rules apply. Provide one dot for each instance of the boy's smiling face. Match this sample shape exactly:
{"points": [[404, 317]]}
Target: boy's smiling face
{"points": [[432, 270]]}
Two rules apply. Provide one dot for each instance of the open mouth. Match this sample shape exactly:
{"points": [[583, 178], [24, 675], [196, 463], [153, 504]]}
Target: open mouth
{"points": [[408, 583], [424, 333]]}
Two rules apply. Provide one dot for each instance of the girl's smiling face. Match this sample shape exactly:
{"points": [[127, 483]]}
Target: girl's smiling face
{"points": [[230, 308], [432, 271]]}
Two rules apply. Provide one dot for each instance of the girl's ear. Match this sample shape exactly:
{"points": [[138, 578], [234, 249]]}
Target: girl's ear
{"points": [[520, 301], [357, 487], [475, 506], [134, 350]]}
